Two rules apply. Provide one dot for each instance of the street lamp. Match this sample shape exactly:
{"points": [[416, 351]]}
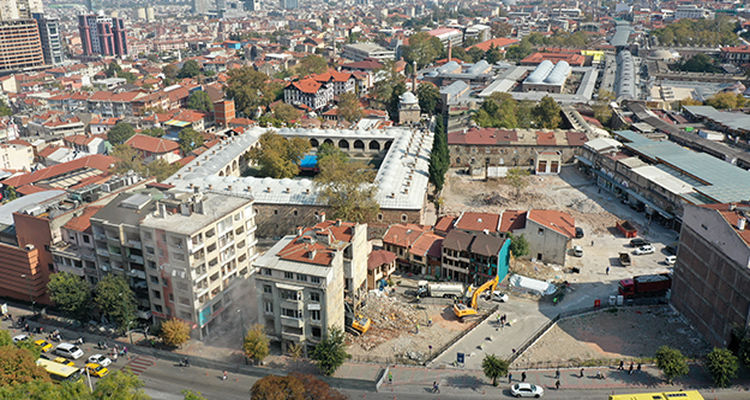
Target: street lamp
{"points": [[242, 319], [28, 289]]}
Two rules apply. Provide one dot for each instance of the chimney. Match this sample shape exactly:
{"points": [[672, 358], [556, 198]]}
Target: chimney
{"points": [[299, 231], [450, 50], [323, 216], [196, 189], [210, 186], [741, 224], [414, 77], [312, 254], [162, 210], [338, 222]]}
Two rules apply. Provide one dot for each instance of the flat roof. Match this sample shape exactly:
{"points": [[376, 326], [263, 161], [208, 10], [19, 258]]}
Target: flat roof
{"points": [[216, 206], [26, 202]]}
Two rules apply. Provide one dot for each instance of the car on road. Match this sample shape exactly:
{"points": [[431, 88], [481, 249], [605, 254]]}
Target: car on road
{"points": [[524, 389], [64, 361], [638, 242], [97, 370], [646, 249], [100, 359], [45, 346], [68, 350], [579, 233], [19, 338], [498, 296], [578, 251], [670, 260]]}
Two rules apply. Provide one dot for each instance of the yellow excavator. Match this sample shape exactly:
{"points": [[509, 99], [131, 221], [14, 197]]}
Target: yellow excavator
{"points": [[462, 309], [355, 323]]}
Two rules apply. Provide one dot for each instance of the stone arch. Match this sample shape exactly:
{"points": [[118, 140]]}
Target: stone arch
{"points": [[235, 164], [314, 143], [388, 144], [343, 144], [328, 141], [374, 145], [359, 145], [221, 173]]}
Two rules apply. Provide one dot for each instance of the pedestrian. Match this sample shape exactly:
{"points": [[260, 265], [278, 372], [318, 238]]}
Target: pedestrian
{"points": [[514, 351], [557, 385], [592, 243], [125, 350], [523, 376], [224, 376], [557, 373], [435, 387], [630, 372], [622, 365], [639, 367], [581, 376], [390, 377], [607, 270], [510, 378]]}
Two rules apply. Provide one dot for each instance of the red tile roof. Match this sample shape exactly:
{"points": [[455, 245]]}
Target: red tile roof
{"points": [[427, 244], [572, 59], [556, 220], [483, 136], [444, 223], [95, 161], [496, 42], [332, 76], [512, 220], [82, 223], [476, 221], [152, 144], [576, 138], [378, 258], [309, 85], [403, 235], [546, 138]]}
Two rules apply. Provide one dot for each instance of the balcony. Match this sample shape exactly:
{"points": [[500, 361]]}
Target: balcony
{"points": [[100, 236], [293, 304], [292, 322], [196, 246], [136, 259], [292, 336], [138, 273], [102, 252], [136, 244]]}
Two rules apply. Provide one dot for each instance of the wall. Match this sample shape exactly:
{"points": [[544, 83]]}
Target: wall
{"points": [[18, 261], [551, 244], [36, 231], [511, 155]]}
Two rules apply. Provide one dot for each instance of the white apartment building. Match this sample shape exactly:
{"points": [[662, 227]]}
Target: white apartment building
{"points": [[16, 156], [365, 50], [304, 280], [693, 12]]}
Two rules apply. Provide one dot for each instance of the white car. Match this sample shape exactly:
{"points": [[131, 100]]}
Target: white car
{"points": [[526, 390], [100, 359], [68, 350], [645, 249], [20, 338], [670, 260], [498, 296]]}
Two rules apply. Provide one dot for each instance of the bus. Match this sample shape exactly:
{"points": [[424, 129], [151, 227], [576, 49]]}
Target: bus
{"points": [[686, 395], [60, 372]]}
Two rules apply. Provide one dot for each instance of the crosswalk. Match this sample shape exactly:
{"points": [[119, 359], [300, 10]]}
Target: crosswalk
{"points": [[140, 363]]}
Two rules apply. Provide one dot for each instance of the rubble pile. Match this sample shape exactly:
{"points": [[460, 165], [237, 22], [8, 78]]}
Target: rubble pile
{"points": [[390, 318]]}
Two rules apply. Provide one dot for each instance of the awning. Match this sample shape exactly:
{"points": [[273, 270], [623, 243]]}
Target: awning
{"points": [[585, 161]]}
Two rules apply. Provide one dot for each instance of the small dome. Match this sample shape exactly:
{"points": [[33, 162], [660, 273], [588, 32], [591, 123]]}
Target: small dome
{"points": [[408, 98]]}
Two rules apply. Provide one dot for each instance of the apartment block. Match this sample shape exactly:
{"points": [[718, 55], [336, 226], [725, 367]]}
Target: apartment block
{"points": [[102, 35], [49, 34], [186, 255], [304, 280], [20, 46]]}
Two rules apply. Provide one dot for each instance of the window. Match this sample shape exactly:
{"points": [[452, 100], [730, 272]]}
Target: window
{"points": [[288, 275], [314, 279], [267, 289], [86, 239], [404, 218], [149, 250], [295, 213], [268, 307], [289, 295], [267, 271], [380, 217], [157, 308], [288, 312], [540, 231], [315, 296], [316, 331], [315, 315], [152, 265], [275, 212], [302, 277], [171, 297], [154, 279], [156, 293]]}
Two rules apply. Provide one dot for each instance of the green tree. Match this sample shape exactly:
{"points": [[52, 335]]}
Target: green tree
{"points": [[128, 159], [429, 98], [349, 107], [174, 332], [501, 29], [169, 71], [312, 64], [5, 110], [393, 103], [5, 339], [45, 390], [31, 347], [277, 156], [519, 246], [255, 344], [494, 367], [439, 157], [671, 362], [285, 113], [499, 110], [493, 55], [516, 178], [200, 101], [113, 70], [18, 365], [727, 100], [475, 54], [189, 139], [698, 63], [722, 365], [346, 187], [423, 48], [744, 350], [161, 169], [119, 133], [461, 54], [330, 150], [71, 294], [115, 300], [190, 69], [520, 51], [602, 112], [249, 89], [330, 353], [547, 113], [274, 387], [154, 131], [191, 395], [120, 385], [390, 77]]}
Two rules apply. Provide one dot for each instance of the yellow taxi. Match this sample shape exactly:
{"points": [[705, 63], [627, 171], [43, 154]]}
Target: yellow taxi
{"points": [[97, 370], [46, 347], [64, 361]]}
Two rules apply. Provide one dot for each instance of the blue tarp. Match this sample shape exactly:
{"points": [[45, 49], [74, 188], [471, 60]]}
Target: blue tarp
{"points": [[309, 161]]}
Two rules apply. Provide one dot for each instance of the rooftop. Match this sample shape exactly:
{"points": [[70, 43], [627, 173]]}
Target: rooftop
{"points": [[215, 207]]}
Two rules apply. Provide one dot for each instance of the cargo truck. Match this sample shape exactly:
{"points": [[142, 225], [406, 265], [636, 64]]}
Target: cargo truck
{"points": [[625, 259], [437, 289], [627, 228], [645, 286]]}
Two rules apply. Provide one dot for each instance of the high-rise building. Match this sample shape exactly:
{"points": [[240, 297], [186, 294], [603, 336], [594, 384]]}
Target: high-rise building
{"points": [[102, 35], [200, 6], [49, 34], [252, 5], [20, 46], [289, 4], [19, 9]]}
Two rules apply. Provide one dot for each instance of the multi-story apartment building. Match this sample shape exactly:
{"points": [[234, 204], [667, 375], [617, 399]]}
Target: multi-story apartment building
{"points": [[102, 35], [19, 9], [16, 156], [303, 280], [186, 255], [309, 92], [20, 46], [366, 50], [49, 34], [712, 273]]}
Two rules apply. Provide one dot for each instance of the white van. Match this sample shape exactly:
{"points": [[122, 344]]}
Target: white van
{"points": [[68, 350]]}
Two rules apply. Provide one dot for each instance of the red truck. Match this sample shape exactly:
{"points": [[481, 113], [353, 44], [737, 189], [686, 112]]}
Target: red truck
{"points": [[645, 286], [627, 228]]}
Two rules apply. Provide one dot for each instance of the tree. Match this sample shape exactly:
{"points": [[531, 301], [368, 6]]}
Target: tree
{"points": [[429, 98], [493, 55], [547, 113], [393, 103], [698, 63], [439, 157], [602, 111], [154, 131], [285, 113], [115, 300], [312, 64], [189, 139], [45, 390], [120, 385], [174, 332], [112, 70], [191, 395], [5, 110], [200, 101], [161, 169], [330, 150], [71, 294], [31, 347], [316, 388], [423, 48], [190, 69], [249, 89], [119, 133], [501, 29], [128, 159], [277, 156], [499, 110], [346, 187], [671, 362], [744, 348], [5, 339], [727, 100], [516, 177], [722, 365], [475, 54], [519, 246], [18, 365], [349, 108], [255, 344], [494, 367], [169, 71], [274, 387], [330, 353], [389, 78]]}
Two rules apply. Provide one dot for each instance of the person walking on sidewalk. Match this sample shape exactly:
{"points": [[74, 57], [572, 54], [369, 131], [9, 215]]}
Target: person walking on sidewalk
{"points": [[510, 378], [390, 377], [630, 372], [557, 385], [557, 373], [435, 387], [622, 366], [581, 375], [224, 376], [523, 376], [639, 367], [607, 270]]}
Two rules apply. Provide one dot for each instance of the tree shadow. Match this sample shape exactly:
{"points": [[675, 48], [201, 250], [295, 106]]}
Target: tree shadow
{"points": [[466, 382]]}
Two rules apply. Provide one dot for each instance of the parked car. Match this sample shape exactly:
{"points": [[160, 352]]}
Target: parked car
{"points": [[19, 338], [638, 242], [526, 390], [46, 347], [68, 350], [579, 233], [64, 361], [670, 260], [97, 370], [100, 359], [498, 296], [646, 249], [578, 251]]}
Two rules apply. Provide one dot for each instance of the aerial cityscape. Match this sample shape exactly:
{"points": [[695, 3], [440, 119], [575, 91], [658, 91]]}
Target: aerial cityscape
{"points": [[365, 199]]}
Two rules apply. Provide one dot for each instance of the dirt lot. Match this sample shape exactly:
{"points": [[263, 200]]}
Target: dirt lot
{"points": [[627, 333], [393, 335]]}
